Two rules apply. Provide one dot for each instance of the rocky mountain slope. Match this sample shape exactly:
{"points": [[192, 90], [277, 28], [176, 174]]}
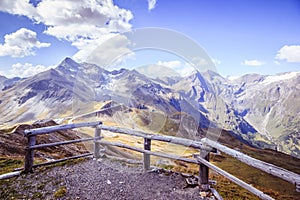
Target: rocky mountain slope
{"points": [[269, 103], [2, 81], [6, 83], [262, 110], [205, 95]]}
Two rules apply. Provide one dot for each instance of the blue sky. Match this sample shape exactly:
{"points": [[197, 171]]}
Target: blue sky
{"points": [[245, 36]]}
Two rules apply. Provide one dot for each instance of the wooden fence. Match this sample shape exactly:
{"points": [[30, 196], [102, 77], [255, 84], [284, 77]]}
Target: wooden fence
{"points": [[205, 146], [31, 135]]}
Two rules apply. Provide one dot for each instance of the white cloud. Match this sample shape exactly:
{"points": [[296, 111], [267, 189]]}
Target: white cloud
{"points": [[75, 20], [171, 64], [81, 22], [199, 61], [3, 73], [26, 70], [106, 53], [289, 53], [18, 7], [252, 63], [21, 43], [151, 4], [183, 69], [216, 61]]}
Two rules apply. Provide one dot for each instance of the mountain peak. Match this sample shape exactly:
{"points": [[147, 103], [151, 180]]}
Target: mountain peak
{"points": [[69, 61], [68, 65], [3, 78]]}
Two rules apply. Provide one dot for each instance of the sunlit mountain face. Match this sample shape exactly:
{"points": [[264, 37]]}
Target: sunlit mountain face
{"points": [[261, 110]]}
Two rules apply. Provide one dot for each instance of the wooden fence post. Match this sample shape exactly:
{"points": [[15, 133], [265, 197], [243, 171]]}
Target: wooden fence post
{"points": [[146, 157], [29, 155], [96, 144], [204, 171]]}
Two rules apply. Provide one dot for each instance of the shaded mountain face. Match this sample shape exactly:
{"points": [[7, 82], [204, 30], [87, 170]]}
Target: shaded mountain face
{"points": [[36, 97], [2, 81], [204, 89], [6, 83], [271, 104], [73, 89], [50, 94], [262, 110]]}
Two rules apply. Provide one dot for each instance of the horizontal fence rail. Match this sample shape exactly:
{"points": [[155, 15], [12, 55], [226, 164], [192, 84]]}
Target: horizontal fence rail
{"points": [[264, 166], [185, 142], [204, 145], [10, 175], [234, 179], [163, 138], [163, 155], [45, 130], [31, 134], [57, 161], [197, 161], [39, 146]]}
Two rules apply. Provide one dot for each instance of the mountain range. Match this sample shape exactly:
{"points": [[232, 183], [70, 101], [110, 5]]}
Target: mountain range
{"points": [[258, 109]]}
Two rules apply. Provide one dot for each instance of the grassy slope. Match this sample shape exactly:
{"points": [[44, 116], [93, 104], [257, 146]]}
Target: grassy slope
{"points": [[273, 186], [276, 187]]}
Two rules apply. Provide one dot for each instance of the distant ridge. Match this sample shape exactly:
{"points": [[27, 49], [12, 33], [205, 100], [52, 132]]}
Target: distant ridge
{"points": [[263, 110]]}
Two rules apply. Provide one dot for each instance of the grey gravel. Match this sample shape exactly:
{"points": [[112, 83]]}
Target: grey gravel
{"points": [[98, 179]]}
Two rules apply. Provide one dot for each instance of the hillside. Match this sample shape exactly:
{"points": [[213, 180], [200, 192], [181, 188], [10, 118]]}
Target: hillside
{"points": [[270, 104], [46, 182], [13, 143], [261, 110], [179, 106]]}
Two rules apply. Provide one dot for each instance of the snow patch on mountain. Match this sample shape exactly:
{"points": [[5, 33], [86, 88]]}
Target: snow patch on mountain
{"points": [[280, 77], [231, 78]]}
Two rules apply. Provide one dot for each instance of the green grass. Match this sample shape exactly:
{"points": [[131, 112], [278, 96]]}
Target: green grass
{"points": [[165, 166], [273, 186], [61, 192], [9, 164], [9, 191], [276, 187]]}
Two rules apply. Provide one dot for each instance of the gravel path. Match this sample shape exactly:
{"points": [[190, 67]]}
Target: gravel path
{"points": [[97, 179]]}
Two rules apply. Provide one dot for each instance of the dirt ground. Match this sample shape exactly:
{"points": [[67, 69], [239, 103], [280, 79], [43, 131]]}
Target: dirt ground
{"points": [[97, 179]]}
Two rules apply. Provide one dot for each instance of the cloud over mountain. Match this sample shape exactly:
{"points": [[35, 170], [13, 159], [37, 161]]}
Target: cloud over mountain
{"points": [[27, 69], [83, 23], [289, 53], [21, 43], [252, 63]]}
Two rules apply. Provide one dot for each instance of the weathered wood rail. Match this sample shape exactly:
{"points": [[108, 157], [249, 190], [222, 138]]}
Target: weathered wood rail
{"points": [[204, 145], [31, 134]]}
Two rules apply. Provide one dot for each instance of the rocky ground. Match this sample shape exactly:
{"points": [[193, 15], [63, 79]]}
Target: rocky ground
{"points": [[97, 179]]}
